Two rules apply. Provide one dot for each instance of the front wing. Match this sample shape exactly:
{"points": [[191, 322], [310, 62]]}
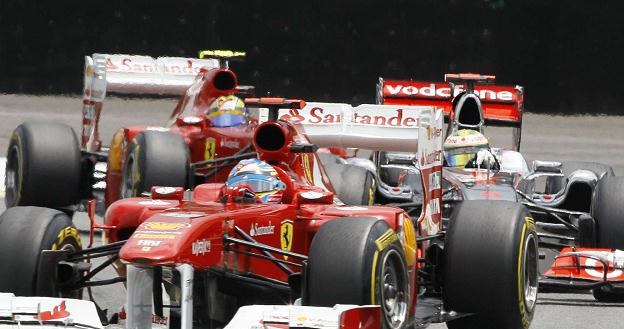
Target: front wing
{"points": [[586, 268], [46, 312], [291, 316]]}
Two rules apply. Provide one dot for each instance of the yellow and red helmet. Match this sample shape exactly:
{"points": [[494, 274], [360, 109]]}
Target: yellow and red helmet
{"points": [[228, 111]]}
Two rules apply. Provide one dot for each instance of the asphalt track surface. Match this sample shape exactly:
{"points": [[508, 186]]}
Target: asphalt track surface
{"points": [[544, 137]]}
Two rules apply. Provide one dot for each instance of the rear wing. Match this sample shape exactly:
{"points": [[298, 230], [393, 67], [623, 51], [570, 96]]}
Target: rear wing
{"points": [[134, 74], [502, 105], [368, 126], [399, 128]]}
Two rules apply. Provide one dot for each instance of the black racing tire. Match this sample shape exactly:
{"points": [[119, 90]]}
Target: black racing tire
{"points": [[43, 166], [359, 261], [24, 233], [353, 184], [154, 158], [555, 184], [491, 265], [608, 212]]}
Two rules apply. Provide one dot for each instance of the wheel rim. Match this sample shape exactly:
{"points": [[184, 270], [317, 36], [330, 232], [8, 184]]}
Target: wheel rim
{"points": [[530, 272], [11, 177], [394, 291]]}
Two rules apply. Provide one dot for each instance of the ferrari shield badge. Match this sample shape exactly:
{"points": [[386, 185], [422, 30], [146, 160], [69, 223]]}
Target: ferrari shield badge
{"points": [[211, 147], [286, 235]]}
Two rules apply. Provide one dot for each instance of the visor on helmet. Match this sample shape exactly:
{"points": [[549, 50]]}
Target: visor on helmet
{"points": [[259, 183], [227, 120], [459, 157]]}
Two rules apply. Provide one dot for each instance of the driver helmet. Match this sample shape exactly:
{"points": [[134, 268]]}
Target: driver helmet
{"points": [[261, 177], [462, 146], [228, 111]]}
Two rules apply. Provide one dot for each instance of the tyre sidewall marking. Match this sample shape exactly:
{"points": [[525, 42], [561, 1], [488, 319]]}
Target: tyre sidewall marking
{"points": [[307, 168], [409, 243], [373, 277], [371, 191], [135, 171], [64, 234], [527, 226], [115, 152]]}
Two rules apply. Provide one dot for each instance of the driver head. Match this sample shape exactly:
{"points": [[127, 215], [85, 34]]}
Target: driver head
{"points": [[228, 111], [261, 177], [462, 146]]}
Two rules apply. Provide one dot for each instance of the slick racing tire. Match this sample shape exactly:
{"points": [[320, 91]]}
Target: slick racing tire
{"points": [[154, 158], [359, 261], [43, 166], [491, 265], [608, 212], [354, 185], [555, 184], [24, 233]]}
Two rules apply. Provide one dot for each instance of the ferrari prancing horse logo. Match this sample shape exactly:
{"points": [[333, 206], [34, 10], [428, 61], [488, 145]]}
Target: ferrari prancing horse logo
{"points": [[211, 147], [286, 235]]}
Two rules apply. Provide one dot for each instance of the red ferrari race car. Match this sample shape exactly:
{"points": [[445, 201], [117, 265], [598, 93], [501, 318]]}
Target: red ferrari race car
{"points": [[275, 233], [48, 166], [577, 206]]}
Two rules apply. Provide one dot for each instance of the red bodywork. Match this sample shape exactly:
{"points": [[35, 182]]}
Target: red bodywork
{"points": [[172, 231], [188, 119]]}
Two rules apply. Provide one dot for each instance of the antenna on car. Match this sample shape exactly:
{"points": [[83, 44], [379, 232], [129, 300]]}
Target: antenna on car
{"points": [[223, 56], [470, 79]]}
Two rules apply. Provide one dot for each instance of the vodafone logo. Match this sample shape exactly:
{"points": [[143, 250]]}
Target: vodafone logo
{"points": [[432, 90], [428, 91], [318, 116]]}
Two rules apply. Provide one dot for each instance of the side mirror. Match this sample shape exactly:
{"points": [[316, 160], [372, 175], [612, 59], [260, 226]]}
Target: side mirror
{"points": [[400, 158], [167, 193], [547, 166], [193, 120], [314, 196]]}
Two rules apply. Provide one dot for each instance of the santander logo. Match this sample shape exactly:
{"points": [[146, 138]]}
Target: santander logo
{"points": [[433, 90], [318, 116], [135, 64]]}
